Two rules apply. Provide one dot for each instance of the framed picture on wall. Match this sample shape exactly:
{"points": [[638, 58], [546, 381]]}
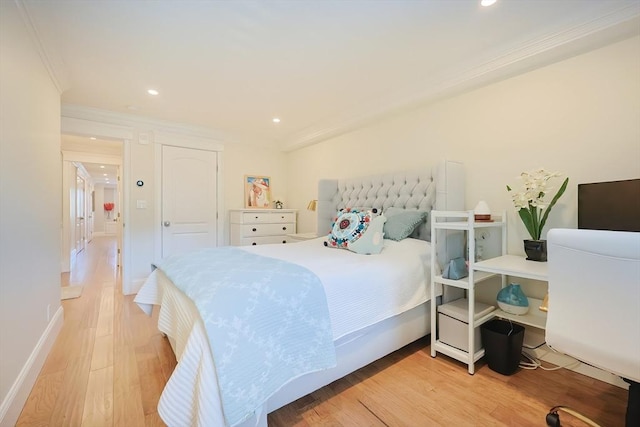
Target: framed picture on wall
{"points": [[257, 192]]}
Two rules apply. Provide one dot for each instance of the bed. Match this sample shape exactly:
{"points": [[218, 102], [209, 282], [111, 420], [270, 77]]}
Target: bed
{"points": [[376, 303]]}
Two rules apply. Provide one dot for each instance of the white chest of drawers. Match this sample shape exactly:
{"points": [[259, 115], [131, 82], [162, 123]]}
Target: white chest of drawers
{"points": [[261, 226]]}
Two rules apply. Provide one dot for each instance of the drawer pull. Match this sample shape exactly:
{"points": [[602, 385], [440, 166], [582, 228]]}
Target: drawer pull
{"points": [[284, 228], [284, 241], [253, 244], [254, 229]]}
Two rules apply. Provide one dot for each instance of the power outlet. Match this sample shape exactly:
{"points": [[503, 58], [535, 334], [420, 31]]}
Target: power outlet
{"points": [[481, 238], [479, 251]]}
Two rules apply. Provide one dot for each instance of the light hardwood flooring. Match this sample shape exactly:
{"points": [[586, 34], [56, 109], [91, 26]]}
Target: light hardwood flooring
{"points": [[110, 363]]}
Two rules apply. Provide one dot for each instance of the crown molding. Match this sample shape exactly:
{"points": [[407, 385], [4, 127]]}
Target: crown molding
{"points": [[91, 157], [50, 58], [612, 26], [136, 122], [142, 123]]}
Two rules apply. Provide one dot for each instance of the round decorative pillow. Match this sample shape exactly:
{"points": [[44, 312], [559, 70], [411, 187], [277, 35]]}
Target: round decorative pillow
{"points": [[347, 227]]}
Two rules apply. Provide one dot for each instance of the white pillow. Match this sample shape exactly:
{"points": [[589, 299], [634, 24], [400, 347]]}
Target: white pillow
{"points": [[372, 241]]}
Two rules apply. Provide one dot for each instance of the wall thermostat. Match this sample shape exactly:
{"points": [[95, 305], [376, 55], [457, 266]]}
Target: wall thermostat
{"points": [[139, 183]]}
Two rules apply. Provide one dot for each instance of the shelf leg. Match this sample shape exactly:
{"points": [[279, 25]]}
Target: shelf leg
{"points": [[471, 325]]}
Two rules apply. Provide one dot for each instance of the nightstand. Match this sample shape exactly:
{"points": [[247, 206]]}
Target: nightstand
{"points": [[302, 236]]}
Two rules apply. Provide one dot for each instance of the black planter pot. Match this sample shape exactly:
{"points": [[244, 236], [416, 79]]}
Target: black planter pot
{"points": [[536, 250]]}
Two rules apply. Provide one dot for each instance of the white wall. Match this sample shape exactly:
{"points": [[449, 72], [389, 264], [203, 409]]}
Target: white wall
{"points": [[30, 211], [104, 194], [580, 116], [99, 216], [241, 160], [238, 160], [142, 163], [110, 196], [68, 232]]}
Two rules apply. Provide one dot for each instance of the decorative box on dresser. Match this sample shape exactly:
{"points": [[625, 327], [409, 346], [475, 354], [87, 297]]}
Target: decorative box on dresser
{"points": [[261, 226]]}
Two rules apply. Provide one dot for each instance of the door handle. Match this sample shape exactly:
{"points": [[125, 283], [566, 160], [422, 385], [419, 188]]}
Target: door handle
{"points": [[167, 223]]}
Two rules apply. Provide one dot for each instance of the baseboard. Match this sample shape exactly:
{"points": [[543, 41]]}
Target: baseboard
{"points": [[13, 403], [133, 287], [546, 354]]}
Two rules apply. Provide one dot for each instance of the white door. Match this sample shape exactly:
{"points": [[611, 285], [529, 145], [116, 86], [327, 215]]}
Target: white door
{"points": [[189, 199], [80, 214], [119, 232]]}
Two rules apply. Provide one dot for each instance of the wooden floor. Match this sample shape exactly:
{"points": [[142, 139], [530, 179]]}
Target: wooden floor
{"points": [[110, 363]]}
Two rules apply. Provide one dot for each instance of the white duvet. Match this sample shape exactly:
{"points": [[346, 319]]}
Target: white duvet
{"points": [[361, 290]]}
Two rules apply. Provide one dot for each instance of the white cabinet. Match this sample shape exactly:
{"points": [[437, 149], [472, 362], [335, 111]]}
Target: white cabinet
{"points": [[443, 222], [261, 226]]}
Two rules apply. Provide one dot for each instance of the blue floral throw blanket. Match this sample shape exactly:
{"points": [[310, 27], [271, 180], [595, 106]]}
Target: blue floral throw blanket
{"points": [[267, 321]]}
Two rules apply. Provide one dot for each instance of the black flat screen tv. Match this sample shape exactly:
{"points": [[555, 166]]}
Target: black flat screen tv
{"points": [[613, 205]]}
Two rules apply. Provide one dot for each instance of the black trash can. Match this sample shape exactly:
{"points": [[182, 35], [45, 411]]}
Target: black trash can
{"points": [[502, 342]]}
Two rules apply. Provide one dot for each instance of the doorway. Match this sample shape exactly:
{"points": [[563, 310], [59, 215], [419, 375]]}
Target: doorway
{"points": [[92, 195], [80, 232]]}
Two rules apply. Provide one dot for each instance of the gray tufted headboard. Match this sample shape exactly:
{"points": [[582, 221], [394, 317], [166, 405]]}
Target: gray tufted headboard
{"points": [[440, 187]]}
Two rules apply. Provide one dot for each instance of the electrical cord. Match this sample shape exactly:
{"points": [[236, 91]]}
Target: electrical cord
{"points": [[553, 418], [535, 363]]}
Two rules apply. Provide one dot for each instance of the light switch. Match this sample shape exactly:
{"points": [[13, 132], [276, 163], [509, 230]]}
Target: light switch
{"points": [[141, 204]]}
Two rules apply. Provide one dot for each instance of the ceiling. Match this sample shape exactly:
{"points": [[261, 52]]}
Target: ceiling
{"points": [[102, 173], [105, 172], [322, 67]]}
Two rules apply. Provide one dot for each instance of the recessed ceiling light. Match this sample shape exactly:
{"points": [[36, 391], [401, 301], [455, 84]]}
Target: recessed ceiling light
{"points": [[104, 174], [152, 92], [93, 138], [486, 3], [101, 166], [276, 120]]}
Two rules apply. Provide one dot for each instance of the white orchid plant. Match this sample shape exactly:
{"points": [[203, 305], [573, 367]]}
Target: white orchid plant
{"points": [[530, 203]]}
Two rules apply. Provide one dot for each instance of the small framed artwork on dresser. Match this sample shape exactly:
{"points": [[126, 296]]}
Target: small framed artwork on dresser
{"points": [[257, 192]]}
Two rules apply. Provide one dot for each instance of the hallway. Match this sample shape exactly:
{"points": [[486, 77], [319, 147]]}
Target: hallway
{"points": [[109, 364]]}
